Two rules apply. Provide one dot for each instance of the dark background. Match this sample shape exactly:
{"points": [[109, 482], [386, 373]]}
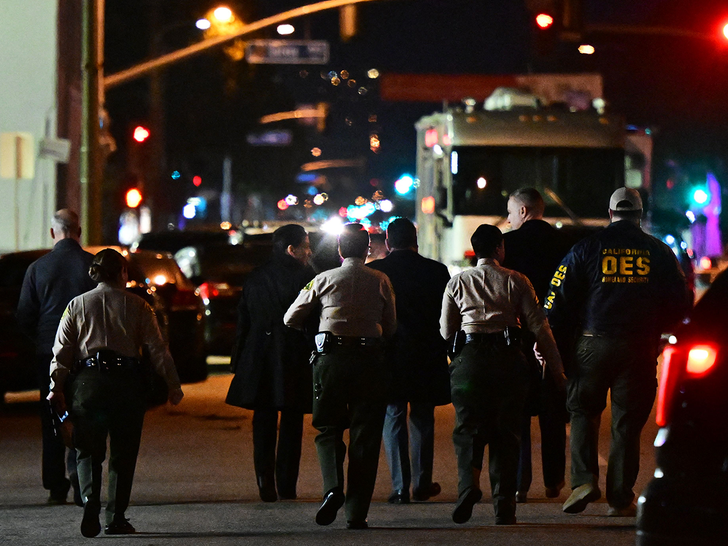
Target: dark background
{"points": [[675, 85]]}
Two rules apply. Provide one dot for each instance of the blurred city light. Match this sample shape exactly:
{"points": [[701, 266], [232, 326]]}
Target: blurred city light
{"points": [[291, 200], [373, 73], [700, 196], [203, 24], [385, 205], [482, 183], [428, 205], [282, 205], [544, 20], [176, 175], [725, 31], [454, 166], [141, 133], [319, 199], [223, 14], [189, 211], [285, 29], [404, 184], [333, 225], [133, 198], [586, 49], [197, 180]]}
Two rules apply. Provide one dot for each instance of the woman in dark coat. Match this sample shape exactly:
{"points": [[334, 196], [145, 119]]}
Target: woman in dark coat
{"points": [[270, 362]]}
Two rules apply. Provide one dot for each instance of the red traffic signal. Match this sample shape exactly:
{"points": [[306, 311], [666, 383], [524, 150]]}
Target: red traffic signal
{"points": [[141, 133], [725, 31], [133, 198], [544, 20]]}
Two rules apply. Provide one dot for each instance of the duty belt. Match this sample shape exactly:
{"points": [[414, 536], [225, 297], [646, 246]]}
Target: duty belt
{"points": [[509, 336], [106, 360], [352, 341]]}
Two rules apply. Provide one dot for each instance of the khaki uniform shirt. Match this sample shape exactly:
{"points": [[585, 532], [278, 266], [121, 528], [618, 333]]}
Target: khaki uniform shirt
{"points": [[355, 301], [109, 318], [488, 299]]}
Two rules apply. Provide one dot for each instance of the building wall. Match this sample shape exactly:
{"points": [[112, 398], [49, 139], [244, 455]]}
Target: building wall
{"points": [[28, 105]]}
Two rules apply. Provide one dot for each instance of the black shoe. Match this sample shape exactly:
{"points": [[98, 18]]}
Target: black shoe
{"points": [[505, 520], [400, 496], [90, 526], [120, 526], [464, 507], [333, 500], [267, 490], [356, 524], [287, 495], [58, 496], [424, 493], [521, 497]]}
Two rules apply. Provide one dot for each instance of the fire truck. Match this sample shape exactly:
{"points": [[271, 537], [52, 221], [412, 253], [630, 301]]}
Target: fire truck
{"points": [[471, 157]]}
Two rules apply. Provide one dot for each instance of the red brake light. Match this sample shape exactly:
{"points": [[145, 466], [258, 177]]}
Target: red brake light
{"points": [[701, 360], [671, 371]]}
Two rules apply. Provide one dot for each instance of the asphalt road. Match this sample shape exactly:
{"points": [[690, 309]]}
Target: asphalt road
{"points": [[195, 484]]}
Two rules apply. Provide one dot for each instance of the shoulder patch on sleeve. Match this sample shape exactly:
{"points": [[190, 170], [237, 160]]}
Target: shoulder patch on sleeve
{"points": [[309, 286]]}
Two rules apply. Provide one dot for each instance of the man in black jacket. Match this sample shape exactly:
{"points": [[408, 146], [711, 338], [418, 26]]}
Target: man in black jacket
{"points": [[49, 284], [623, 288], [536, 249], [418, 360], [270, 362]]}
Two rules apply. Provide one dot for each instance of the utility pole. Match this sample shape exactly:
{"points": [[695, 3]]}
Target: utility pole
{"points": [[90, 163]]}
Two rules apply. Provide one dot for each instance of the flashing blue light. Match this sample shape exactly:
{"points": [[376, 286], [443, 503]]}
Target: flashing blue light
{"points": [[669, 239], [176, 175], [404, 184]]}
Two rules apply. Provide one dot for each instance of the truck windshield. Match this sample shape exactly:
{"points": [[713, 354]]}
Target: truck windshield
{"points": [[583, 178]]}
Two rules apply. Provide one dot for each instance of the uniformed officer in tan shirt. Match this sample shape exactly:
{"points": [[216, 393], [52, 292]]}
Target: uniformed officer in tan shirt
{"points": [[489, 376], [356, 307], [100, 340]]}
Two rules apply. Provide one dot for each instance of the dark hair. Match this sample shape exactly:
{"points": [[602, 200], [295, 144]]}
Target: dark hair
{"points": [[402, 233], [485, 240], [288, 235], [107, 265], [353, 241], [529, 198]]}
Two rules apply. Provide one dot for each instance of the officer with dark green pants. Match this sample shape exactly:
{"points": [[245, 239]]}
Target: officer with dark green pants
{"points": [[356, 306], [489, 377], [100, 340]]}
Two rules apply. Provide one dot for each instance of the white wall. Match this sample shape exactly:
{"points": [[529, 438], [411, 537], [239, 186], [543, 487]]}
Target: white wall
{"points": [[28, 104]]}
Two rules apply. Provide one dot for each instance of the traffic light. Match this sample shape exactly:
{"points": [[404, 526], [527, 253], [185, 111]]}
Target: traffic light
{"points": [[140, 134], [725, 31], [133, 198]]}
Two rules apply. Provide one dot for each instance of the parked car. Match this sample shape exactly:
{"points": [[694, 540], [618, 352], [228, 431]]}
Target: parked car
{"points": [[686, 503], [219, 272], [179, 310], [173, 240], [183, 308]]}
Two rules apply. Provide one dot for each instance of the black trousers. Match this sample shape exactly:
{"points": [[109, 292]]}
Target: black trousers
{"points": [[350, 392], [552, 424], [56, 458], [488, 384], [283, 464]]}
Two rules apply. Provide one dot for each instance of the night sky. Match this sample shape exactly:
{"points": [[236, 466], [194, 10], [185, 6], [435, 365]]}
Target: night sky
{"points": [[673, 84]]}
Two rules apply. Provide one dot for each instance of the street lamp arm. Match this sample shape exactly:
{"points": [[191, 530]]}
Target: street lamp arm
{"points": [[144, 68]]}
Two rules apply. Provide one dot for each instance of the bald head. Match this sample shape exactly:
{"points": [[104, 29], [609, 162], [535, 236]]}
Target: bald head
{"points": [[65, 225]]}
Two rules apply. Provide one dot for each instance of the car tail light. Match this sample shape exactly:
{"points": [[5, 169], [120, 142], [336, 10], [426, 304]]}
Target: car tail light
{"points": [[671, 372], [693, 362], [208, 290], [701, 360]]}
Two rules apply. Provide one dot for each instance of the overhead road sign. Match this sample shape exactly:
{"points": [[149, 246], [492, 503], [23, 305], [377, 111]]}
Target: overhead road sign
{"points": [[287, 52]]}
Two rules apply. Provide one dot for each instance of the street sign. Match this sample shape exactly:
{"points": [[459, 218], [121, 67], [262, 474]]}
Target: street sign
{"points": [[287, 52]]}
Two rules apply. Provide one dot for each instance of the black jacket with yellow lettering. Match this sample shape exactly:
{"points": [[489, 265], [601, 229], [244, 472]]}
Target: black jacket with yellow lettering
{"points": [[619, 282]]}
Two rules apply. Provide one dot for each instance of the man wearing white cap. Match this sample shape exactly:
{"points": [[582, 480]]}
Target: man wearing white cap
{"points": [[615, 293]]}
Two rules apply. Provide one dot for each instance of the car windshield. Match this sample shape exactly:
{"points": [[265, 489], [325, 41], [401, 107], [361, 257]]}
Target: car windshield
{"points": [[151, 268]]}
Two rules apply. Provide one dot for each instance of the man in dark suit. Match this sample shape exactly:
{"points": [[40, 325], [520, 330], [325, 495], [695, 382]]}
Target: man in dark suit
{"points": [[418, 360], [49, 284], [535, 248], [270, 361]]}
